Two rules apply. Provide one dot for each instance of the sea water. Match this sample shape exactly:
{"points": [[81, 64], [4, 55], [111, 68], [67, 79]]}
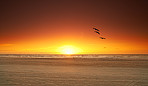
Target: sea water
{"points": [[73, 70]]}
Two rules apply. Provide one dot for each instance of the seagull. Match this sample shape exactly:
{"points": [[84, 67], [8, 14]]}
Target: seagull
{"points": [[102, 38], [96, 29], [97, 32]]}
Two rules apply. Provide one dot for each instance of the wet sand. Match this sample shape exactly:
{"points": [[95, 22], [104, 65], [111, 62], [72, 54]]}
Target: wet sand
{"points": [[96, 62], [73, 72]]}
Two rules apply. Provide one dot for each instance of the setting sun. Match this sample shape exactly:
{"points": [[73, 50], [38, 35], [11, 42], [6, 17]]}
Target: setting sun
{"points": [[68, 49]]}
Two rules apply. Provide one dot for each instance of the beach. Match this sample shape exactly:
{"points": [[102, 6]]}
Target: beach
{"points": [[74, 43], [73, 71]]}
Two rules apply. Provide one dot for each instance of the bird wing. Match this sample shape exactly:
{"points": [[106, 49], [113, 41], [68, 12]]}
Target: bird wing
{"points": [[96, 29], [102, 38]]}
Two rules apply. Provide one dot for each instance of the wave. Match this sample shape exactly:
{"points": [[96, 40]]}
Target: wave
{"points": [[115, 56]]}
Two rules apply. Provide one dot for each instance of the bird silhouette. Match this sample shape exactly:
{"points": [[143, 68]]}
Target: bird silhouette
{"points": [[97, 32], [96, 29], [102, 38]]}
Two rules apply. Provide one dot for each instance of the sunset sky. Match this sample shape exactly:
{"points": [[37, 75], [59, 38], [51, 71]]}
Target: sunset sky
{"points": [[65, 26]]}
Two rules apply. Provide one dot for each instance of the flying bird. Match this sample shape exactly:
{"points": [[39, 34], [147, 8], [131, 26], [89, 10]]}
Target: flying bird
{"points": [[96, 29], [97, 32], [102, 38]]}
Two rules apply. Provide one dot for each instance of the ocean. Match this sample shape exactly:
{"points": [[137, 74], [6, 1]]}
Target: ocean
{"points": [[74, 70]]}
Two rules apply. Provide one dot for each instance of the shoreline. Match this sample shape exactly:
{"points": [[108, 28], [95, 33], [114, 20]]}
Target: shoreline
{"points": [[95, 62]]}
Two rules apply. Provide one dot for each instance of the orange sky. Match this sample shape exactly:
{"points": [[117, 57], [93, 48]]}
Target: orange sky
{"points": [[41, 26]]}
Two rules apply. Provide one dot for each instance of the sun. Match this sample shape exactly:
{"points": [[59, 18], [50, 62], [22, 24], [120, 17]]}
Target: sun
{"points": [[68, 49]]}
